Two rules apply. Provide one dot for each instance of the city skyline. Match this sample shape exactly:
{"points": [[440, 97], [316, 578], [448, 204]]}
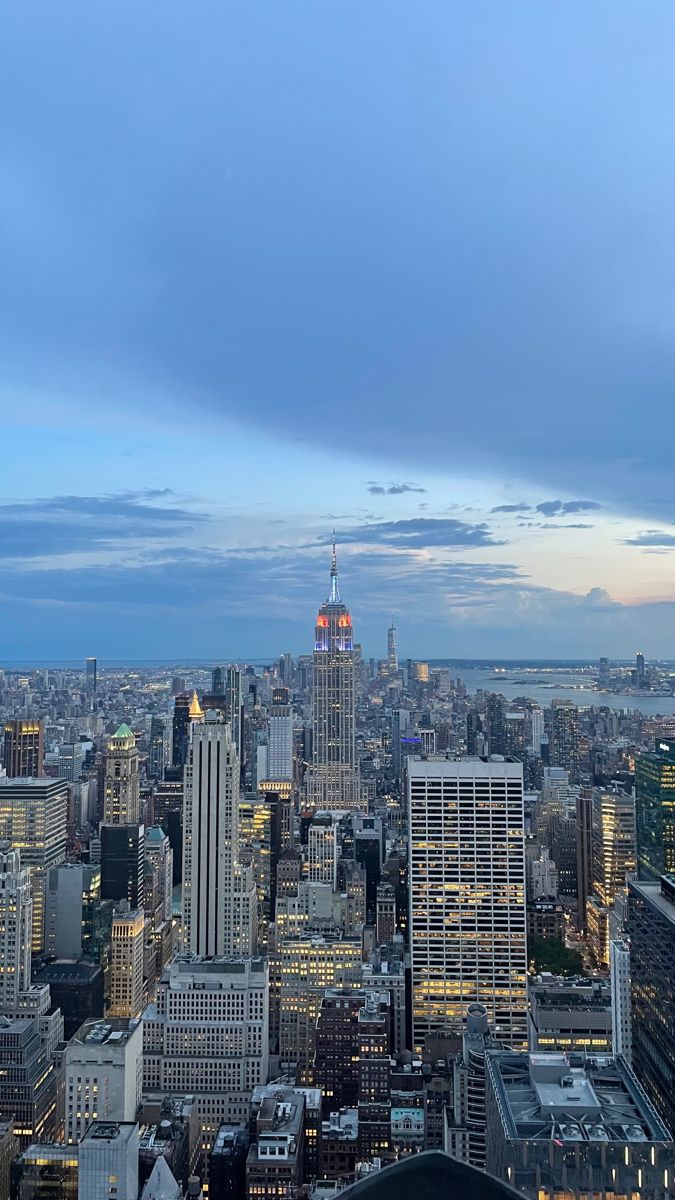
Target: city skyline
{"points": [[462, 252]]}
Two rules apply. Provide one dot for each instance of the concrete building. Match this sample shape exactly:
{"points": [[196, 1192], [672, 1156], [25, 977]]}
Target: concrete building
{"points": [[332, 780], [24, 750], [322, 850], [33, 819], [44, 1171], [127, 996], [121, 796], [275, 1163], [16, 917], [467, 894], [207, 1033], [651, 926], [570, 1015], [158, 852], [103, 1068], [108, 1158], [220, 905], [619, 973], [28, 1081], [73, 889], [307, 966], [280, 740], [574, 1127]]}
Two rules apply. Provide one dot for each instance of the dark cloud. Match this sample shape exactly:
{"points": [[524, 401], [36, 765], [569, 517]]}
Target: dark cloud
{"points": [[558, 508], [511, 508], [419, 533], [67, 524], [393, 489], [651, 537]]}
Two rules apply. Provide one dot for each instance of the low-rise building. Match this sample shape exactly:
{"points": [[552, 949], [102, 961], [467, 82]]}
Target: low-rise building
{"points": [[275, 1163], [570, 1014]]}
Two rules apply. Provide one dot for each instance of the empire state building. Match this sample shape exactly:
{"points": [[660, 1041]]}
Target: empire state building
{"points": [[333, 778]]}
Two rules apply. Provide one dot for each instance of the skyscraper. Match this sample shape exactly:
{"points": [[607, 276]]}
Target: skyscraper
{"points": [[565, 737], [333, 776], [392, 649], [180, 730], [655, 810], [121, 803], [24, 751], [280, 738], [155, 767], [90, 681], [651, 926], [467, 894], [16, 922], [33, 818], [219, 896]]}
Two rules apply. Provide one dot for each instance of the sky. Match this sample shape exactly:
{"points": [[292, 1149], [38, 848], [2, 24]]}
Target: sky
{"points": [[405, 271]]}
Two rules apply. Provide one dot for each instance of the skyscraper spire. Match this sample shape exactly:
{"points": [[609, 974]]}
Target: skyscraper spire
{"points": [[334, 590]]}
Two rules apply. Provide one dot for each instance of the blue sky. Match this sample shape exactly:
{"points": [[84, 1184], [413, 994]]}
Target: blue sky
{"points": [[405, 270]]}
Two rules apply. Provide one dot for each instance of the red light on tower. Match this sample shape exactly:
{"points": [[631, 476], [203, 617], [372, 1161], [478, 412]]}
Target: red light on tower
{"points": [[322, 622]]}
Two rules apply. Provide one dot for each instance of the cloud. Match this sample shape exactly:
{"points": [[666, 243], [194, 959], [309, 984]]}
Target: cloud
{"points": [[651, 537], [66, 524], [511, 508], [568, 525], [393, 489], [556, 508], [419, 533]]}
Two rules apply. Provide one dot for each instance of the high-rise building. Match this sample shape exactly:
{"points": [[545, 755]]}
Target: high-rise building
{"points": [[90, 681], [155, 766], [28, 1081], [121, 798], [73, 905], [103, 1069], [108, 1161], [219, 895], [71, 761], [651, 926], [496, 723], [307, 966], [467, 894], [322, 850], [613, 817], [233, 711], [127, 994], [16, 918], [122, 863], [181, 730], [564, 745], [392, 649], [655, 810], [33, 819], [619, 970], [280, 740], [24, 752], [158, 852], [207, 1034], [45, 1171], [332, 780], [218, 681]]}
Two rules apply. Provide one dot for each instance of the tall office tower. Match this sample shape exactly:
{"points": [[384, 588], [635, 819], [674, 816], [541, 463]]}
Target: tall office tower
{"points": [[24, 754], [16, 922], [207, 1034], [392, 649], [127, 997], [604, 677], [307, 966], [613, 863], [651, 928], [219, 896], [565, 737], [281, 837], [103, 1074], [640, 669], [619, 970], [108, 1161], [233, 708], [122, 859], [121, 802], [72, 905], [322, 850], [181, 730], [155, 768], [158, 852], [280, 739], [496, 726], [655, 810], [71, 760], [218, 681], [385, 914], [537, 726], [584, 843], [28, 1082], [33, 817], [333, 776], [90, 680], [467, 894], [474, 732], [167, 807]]}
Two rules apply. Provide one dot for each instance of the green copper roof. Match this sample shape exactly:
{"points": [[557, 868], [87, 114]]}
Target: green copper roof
{"points": [[124, 731]]}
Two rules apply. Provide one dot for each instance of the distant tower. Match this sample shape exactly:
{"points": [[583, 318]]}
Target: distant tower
{"points": [[121, 804], [180, 731], [333, 777], [24, 750], [392, 649], [90, 682]]}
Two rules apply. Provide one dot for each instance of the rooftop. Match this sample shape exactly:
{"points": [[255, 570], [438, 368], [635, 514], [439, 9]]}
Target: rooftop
{"points": [[110, 1131], [429, 1176], [112, 1032]]}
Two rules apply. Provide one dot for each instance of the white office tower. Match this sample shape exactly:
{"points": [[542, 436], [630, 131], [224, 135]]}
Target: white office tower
{"points": [[280, 741], [322, 850], [332, 780], [619, 972], [537, 725], [103, 1068], [158, 852], [121, 798], [16, 925], [544, 877], [220, 906], [108, 1162], [207, 1034], [392, 649], [467, 894]]}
